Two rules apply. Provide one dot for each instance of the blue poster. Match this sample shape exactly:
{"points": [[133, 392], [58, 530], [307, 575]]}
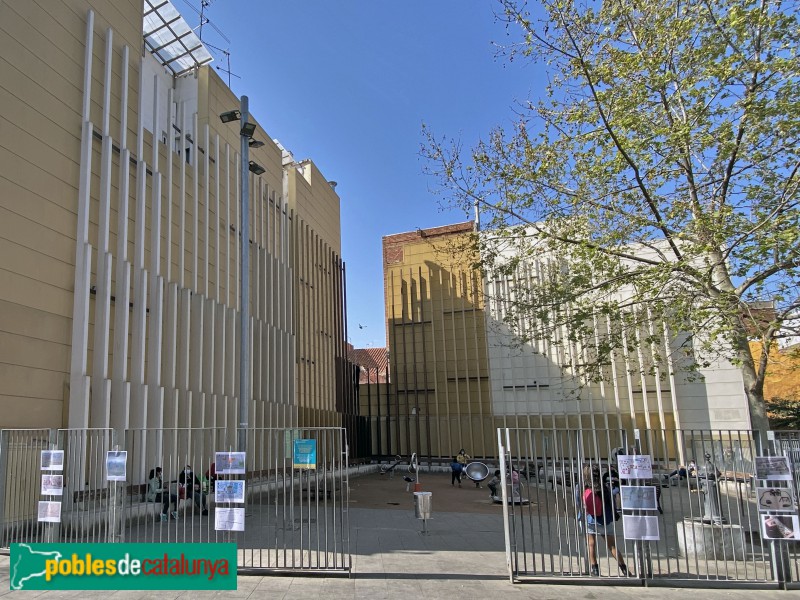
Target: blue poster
{"points": [[305, 454]]}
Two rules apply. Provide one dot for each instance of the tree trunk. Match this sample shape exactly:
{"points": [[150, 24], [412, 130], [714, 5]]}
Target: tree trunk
{"points": [[753, 387]]}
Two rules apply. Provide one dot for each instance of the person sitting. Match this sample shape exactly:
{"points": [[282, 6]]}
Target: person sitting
{"points": [[682, 472], [191, 485], [156, 492]]}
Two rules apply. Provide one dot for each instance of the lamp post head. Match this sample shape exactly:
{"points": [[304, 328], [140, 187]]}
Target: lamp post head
{"points": [[230, 115], [256, 168], [248, 129]]}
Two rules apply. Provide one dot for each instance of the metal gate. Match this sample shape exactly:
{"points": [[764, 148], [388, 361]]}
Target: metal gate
{"points": [[294, 515], [703, 526]]}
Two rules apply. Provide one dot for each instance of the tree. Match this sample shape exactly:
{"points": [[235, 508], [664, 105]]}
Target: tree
{"points": [[660, 164], [783, 413]]}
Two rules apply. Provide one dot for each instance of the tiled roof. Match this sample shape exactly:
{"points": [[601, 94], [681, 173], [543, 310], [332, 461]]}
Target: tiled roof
{"points": [[373, 361]]}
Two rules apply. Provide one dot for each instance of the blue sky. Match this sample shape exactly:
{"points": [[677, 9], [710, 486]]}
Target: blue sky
{"points": [[349, 84]]}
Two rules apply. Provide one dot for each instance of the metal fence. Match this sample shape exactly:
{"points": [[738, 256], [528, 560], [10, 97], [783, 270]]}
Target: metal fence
{"points": [[295, 519], [703, 527]]}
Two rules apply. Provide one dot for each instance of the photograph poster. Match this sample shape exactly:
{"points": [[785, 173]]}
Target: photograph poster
{"points": [[637, 527], [780, 527], [52, 460], [116, 465], [229, 463], [636, 497], [229, 490], [774, 468], [229, 519], [52, 485], [635, 466], [776, 500], [49, 512]]}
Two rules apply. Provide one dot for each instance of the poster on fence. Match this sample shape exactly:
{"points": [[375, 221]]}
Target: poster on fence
{"points": [[52, 460], [637, 527], [229, 519], [52, 485], [305, 454], [636, 497], [774, 499], [229, 490], [229, 463], [780, 527], [49, 512], [775, 468], [116, 465], [635, 466]]}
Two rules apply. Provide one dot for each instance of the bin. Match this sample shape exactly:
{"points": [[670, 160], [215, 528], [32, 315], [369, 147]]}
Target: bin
{"points": [[422, 504]]}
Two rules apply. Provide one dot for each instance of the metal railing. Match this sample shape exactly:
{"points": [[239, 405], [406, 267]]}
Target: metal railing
{"points": [[295, 518], [704, 526]]}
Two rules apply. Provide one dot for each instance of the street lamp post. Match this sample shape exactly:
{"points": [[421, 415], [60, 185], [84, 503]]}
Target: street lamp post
{"points": [[244, 280], [248, 166]]}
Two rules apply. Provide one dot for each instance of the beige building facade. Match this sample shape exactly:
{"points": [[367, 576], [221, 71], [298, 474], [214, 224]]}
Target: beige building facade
{"points": [[120, 237], [440, 399], [459, 373]]}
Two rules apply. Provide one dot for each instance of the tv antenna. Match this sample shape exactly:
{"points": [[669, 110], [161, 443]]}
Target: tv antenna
{"points": [[204, 20], [227, 69]]}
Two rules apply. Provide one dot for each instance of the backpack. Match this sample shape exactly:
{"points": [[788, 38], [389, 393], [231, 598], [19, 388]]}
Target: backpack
{"points": [[609, 512]]}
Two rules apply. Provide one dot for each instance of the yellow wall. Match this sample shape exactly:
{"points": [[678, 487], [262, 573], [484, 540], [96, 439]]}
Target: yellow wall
{"points": [[437, 340], [41, 74], [189, 334]]}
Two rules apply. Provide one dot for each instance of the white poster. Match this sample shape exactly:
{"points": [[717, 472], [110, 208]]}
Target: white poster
{"points": [[635, 466], [637, 527], [774, 468], [229, 463], [780, 527], [49, 512], [52, 485], [116, 465], [639, 497], [52, 460], [776, 500], [229, 519], [229, 491]]}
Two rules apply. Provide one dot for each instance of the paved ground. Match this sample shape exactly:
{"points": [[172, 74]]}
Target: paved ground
{"points": [[461, 556]]}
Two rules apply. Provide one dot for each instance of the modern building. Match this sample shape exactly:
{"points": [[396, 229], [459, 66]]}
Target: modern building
{"points": [[458, 373], [441, 394], [120, 237]]}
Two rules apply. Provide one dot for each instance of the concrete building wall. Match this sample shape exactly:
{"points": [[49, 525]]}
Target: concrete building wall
{"points": [[440, 398], [41, 70], [152, 227], [312, 195], [644, 387], [458, 373]]}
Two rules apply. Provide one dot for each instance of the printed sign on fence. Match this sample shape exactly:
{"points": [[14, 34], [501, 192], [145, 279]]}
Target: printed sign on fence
{"points": [[775, 499], [774, 468], [637, 527], [639, 497], [635, 466], [305, 454], [52, 460], [116, 465]]}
